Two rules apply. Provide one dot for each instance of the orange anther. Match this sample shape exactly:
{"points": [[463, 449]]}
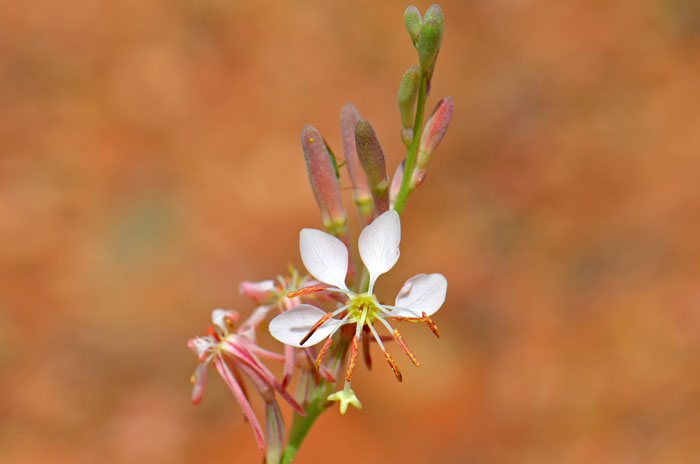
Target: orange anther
{"points": [[318, 324], [432, 325], [322, 353], [306, 291], [353, 357], [405, 348], [394, 366]]}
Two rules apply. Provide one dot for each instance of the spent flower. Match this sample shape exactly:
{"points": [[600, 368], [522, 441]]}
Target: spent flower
{"points": [[234, 354]]}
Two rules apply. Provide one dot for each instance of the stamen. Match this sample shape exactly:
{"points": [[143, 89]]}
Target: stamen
{"points": [[323, 351], [393, 365], [306, 291], [366, 355], [315, 327], [432, 325], [353, 357], [405, 348], [424, 318]]}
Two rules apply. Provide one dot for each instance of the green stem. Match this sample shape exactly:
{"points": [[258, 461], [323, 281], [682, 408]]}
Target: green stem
{"points": [[317, 403], [302, 424], [413, 148]]}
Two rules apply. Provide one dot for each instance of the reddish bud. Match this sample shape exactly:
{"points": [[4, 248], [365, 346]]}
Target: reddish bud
{"points": [[324, 181], [432, 135], [361, 192]]}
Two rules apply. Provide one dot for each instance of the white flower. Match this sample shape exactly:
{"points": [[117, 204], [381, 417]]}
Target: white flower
{"points": [[326, 259]]}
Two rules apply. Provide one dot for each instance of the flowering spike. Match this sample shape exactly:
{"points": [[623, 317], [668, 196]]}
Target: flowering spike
{"points": [[361, 192], [408, 90], [394, 366], [371, 156], [404, 347], [324, 181], [324, 349], [429, 45], [431, 137], [413, 23], [354, 348]]}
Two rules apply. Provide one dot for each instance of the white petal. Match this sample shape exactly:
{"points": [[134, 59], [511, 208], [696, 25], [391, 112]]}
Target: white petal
{"points": [[324, 256], [379, 244], [423, 293], [291, 326]]}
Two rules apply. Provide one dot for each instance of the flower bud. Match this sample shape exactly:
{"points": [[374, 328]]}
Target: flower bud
{"points": [[429, 46], [413, 23], [323, 179], [396, 182], [432, 135], [361, 192], [435, 12], [408, 90], [371, 156]]}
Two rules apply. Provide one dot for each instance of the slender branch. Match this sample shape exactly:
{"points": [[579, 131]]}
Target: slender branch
{"points": [[413, 148], [302, 424]]}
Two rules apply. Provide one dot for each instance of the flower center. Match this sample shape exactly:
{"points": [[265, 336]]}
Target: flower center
{"points": [[364, 308]]}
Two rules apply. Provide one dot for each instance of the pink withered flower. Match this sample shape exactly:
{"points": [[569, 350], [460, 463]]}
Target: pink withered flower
{"points": [[234, 354], [280, 294]]}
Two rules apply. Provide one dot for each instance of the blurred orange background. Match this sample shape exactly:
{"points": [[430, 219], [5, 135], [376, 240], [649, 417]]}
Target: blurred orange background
{"points": [[150, 161]]}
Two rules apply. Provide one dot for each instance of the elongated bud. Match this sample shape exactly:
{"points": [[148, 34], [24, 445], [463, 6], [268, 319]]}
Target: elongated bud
{"points": [[429, 46], [413, 23], [431, 137], [371, 156], [408, 90], [323, 179], [360, 188], [274, 432]]}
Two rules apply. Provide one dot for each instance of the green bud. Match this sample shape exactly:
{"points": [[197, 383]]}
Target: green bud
{"points": [[435, 12], [371, 156], [429, 46], [413, 23], [408, 90]]}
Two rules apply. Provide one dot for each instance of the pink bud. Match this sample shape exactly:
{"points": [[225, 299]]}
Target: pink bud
{"points": [[433, 131], [396, 182], [257, 290], [361, 192], [322, 176]]}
